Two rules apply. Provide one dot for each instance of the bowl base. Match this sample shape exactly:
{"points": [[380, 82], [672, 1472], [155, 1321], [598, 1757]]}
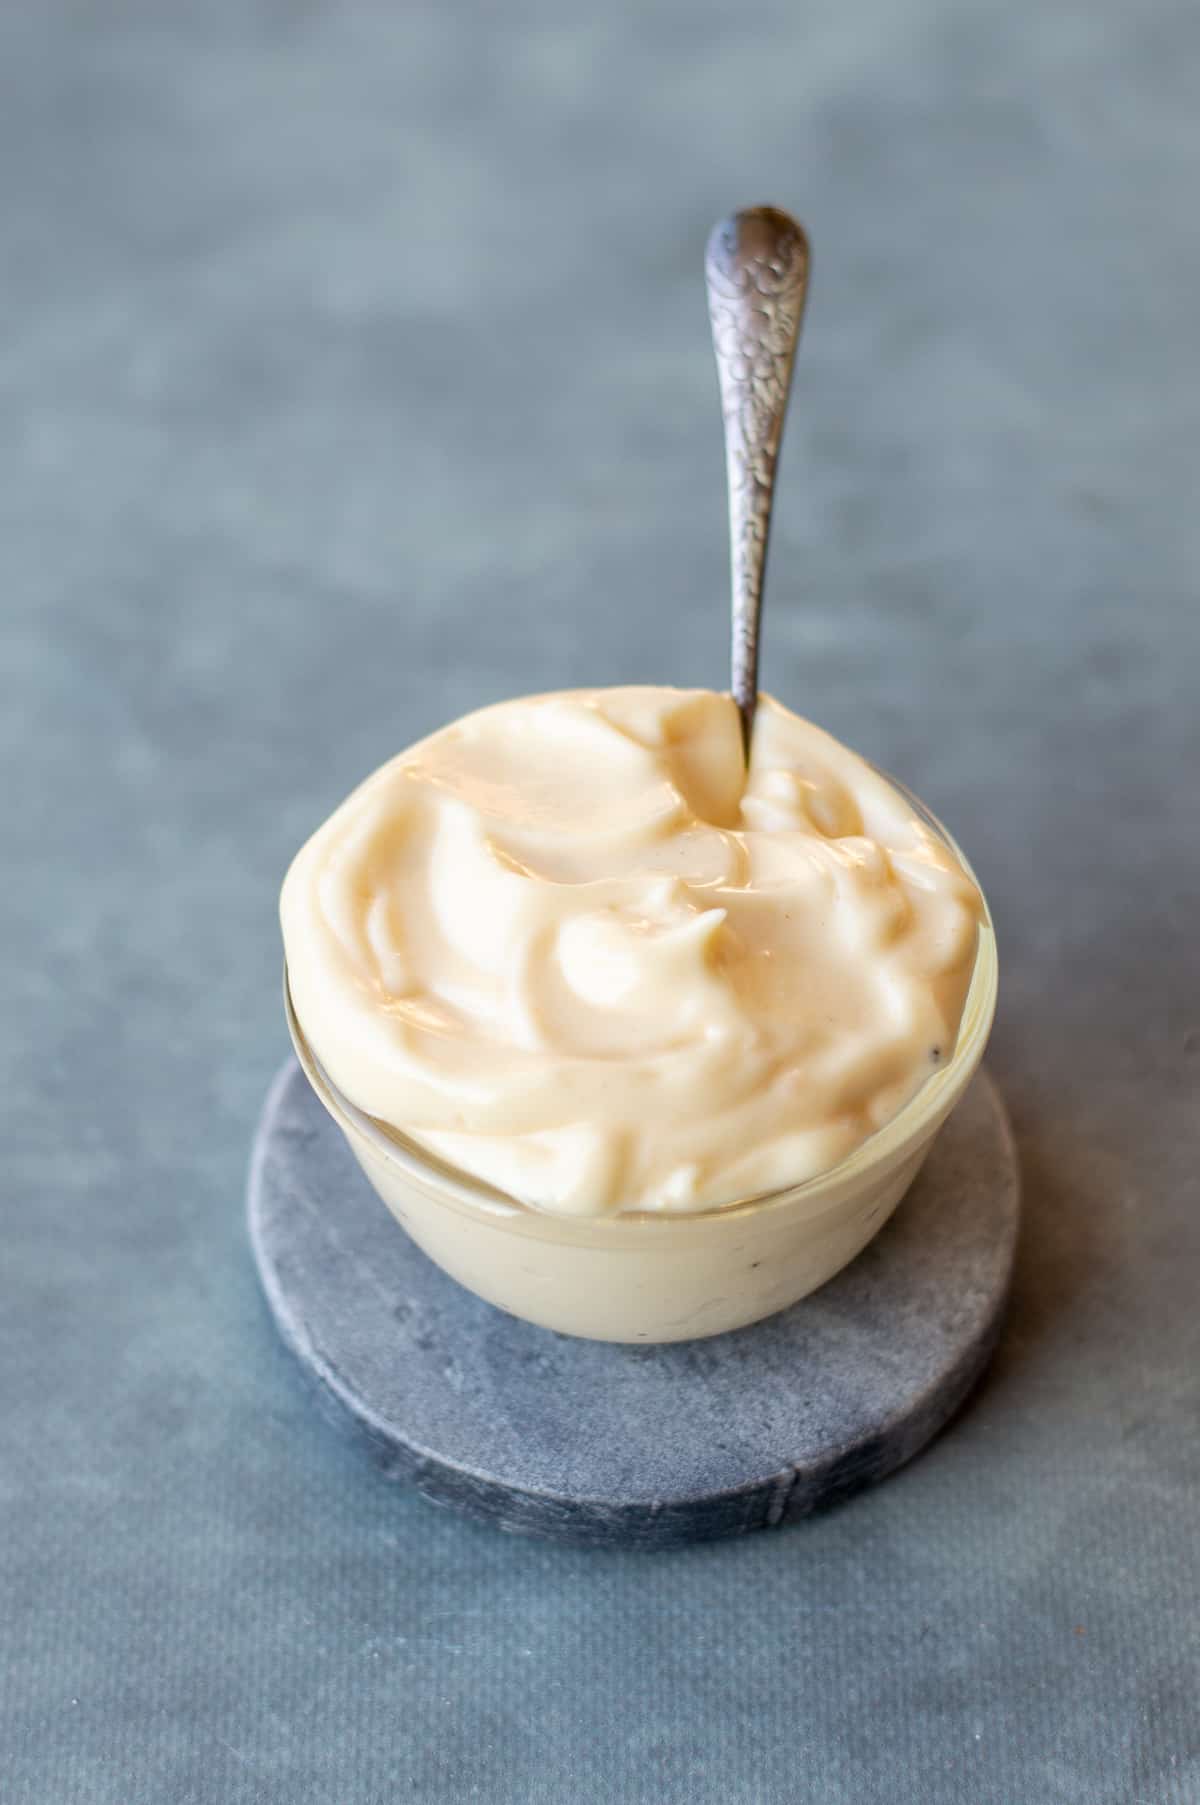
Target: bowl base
{"points": [[638, 1446]]}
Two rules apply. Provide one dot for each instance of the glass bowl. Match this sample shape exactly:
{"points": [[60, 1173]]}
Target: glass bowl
{"points": [[647, 1277]]}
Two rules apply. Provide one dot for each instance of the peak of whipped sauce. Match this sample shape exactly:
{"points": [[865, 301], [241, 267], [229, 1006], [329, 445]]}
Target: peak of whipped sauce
{"points": [[572, 947]]}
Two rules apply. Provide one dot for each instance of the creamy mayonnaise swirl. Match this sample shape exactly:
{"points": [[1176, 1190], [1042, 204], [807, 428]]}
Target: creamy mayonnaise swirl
{"points": [[571, 946]]}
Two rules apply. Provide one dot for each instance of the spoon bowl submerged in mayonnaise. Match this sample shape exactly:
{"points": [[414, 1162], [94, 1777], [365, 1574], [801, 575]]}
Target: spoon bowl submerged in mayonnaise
{"points": [[601, 1011]]}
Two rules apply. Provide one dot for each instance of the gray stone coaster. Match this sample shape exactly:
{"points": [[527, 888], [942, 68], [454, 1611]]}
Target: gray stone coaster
{"points": [[591, 1442]]}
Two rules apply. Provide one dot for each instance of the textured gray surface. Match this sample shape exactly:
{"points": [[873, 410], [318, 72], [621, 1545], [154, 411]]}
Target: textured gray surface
{"points": [[279, 491], [647, 1447]]}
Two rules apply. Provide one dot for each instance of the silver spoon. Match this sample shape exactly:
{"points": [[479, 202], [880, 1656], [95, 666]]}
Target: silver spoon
{"points": [[756, 267]]}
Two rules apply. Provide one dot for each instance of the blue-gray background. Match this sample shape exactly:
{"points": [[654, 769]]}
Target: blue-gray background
{"points": [[354, 371]]}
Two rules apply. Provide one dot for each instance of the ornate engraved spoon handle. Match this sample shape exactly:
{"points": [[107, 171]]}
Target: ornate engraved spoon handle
{"points": [[756, 268]]}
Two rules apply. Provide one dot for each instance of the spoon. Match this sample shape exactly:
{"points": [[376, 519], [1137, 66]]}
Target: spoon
{"points": [[756, 269]]}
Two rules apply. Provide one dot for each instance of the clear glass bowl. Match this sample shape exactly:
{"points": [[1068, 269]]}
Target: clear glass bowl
{"points": [[654, 1277]]}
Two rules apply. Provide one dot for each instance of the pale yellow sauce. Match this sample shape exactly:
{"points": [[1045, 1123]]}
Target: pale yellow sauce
{"points": [[572, 947]]}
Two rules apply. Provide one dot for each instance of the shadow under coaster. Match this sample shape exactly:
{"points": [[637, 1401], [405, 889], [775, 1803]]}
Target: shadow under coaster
{"points": [[593, 1442]]}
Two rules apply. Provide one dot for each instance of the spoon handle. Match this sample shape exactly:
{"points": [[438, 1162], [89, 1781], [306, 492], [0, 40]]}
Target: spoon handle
{"points": [[756, 268]]}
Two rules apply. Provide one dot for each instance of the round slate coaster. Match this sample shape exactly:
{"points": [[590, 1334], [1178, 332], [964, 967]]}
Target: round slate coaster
{"points": [[593, 1442]]}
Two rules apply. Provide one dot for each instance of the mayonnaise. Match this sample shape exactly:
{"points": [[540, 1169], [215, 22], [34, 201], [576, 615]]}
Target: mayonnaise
{"points": [[570, 946]]}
